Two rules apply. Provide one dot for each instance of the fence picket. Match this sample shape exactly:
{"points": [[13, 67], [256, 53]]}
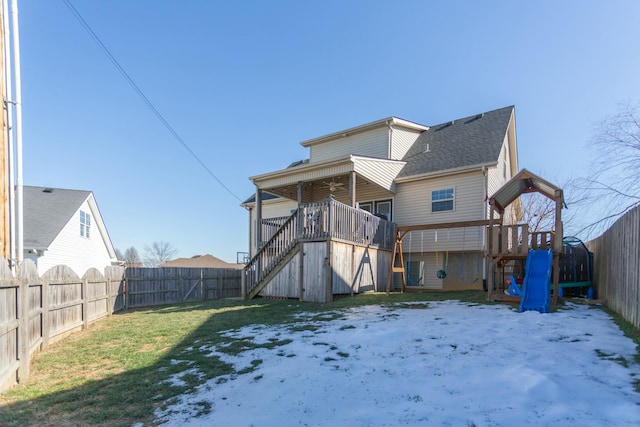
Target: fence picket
{"points": [[616, 266]]}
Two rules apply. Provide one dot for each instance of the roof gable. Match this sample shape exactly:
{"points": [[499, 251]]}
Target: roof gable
{"points": [[47, 211], [521, 183], [383, 123], [466, 142]]}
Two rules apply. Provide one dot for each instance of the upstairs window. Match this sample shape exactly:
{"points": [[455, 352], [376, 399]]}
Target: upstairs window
{"points": [[85, 224], [442, 200]]}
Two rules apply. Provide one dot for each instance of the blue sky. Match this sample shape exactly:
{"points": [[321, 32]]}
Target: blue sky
{"points": [[244, 82]]}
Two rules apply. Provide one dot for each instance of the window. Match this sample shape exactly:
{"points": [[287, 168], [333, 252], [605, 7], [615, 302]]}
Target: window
{"points": [[366, 206], [414, 273], [379, 207], [442, 200], [383, 207], [85, 224]]}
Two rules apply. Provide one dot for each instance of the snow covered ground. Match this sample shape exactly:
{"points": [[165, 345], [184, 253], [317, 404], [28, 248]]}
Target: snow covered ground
{"points": [[437, 364]]}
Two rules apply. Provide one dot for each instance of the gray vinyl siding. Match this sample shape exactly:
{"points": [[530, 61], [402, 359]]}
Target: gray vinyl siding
{"points": [[500, 175], [382, 172], [413, 206], [401, 141], [374, 143]]}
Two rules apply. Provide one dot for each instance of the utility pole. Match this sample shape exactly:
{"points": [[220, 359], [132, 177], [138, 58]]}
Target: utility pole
{"points": [[6, 181]]}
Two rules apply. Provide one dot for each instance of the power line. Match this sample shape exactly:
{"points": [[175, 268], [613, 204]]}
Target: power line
{"points": [[142, 96]]}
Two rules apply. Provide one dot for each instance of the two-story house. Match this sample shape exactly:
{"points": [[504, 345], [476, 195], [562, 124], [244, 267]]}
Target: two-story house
{"points": [[404, 172]]}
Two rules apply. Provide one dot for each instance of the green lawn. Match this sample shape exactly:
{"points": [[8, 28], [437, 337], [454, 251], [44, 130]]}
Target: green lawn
{"points": [[114, 373]]}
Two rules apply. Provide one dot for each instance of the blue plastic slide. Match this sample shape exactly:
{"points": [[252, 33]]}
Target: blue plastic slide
{"points": [[535, 288]]}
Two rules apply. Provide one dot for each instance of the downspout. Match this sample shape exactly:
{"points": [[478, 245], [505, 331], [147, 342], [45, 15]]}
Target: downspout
{"points": [[483, 248], [18, 129], [390, 138]]}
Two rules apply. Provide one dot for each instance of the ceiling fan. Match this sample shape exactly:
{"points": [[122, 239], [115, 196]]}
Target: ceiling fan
{"points": [[333, 186]]}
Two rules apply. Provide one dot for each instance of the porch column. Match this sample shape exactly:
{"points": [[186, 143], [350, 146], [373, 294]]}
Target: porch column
{"points": [[299, 228], [352, 189], [258, 217]]}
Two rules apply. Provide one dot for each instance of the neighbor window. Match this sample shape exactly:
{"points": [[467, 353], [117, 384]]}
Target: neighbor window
{"points": [[85, 224], [442, 200]]}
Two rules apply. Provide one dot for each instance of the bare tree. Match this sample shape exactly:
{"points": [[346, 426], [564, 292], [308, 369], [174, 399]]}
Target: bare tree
{"points": [[119, 255], [614, 183], [538, 211], [132, 258], [158, 253]]}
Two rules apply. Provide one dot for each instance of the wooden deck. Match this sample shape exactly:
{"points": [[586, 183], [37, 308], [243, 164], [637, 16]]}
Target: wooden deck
{"points": [[322, 249]]}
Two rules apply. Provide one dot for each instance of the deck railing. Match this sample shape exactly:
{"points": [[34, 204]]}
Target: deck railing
{"points": [[269, 227], [509, 240], [319, 221]]}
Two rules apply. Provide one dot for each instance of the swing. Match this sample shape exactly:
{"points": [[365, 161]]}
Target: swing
{"points": [[418, 281], [443, 272], [462, 274]]}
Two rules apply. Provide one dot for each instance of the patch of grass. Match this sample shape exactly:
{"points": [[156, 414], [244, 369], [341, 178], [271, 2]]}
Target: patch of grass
{"points": [[254, 364], [629, 330], [303, 328], [618, 359]]}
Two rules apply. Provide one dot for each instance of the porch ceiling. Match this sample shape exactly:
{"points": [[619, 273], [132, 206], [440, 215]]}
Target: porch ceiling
{"points": [[284, 183]]}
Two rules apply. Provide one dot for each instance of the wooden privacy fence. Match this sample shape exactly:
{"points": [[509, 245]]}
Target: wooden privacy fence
{"points": [[170, 285], [38, 311], [616, 266]]}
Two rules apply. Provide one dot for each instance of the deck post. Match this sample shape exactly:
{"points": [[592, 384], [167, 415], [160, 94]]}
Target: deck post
{"points": [[352, 189], [258, 218]]}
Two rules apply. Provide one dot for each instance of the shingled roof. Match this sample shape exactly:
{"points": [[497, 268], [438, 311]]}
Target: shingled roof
{"points": [[201, 261], [46, 212], [473, 140]]}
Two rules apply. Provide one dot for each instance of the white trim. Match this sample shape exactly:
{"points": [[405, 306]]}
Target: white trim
{"points": [[389, 121], [442, 173], [329, 168]]}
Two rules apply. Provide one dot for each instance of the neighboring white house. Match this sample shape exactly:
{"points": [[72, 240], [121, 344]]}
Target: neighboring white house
{"points": [[413, 174], [65, 227]]}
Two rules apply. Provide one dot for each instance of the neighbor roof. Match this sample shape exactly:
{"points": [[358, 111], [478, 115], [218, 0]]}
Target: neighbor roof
{"points": [[46, 212], [265, 196], [470, 141], [201, 261]]}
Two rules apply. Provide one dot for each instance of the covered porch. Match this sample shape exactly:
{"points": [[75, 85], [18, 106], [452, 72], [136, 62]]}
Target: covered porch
{"points": [[323, 249], [351, 180], [328, 239]]}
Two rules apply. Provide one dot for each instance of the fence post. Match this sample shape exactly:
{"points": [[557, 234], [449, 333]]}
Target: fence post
{"points": [[108, 285], [23, 334], [243, 283], [45, 313], [85, 302]]}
